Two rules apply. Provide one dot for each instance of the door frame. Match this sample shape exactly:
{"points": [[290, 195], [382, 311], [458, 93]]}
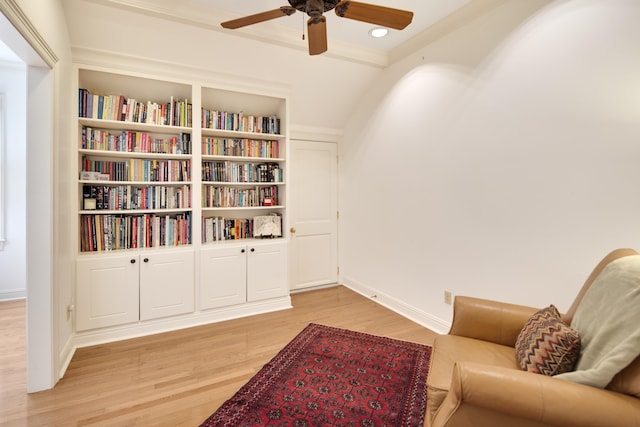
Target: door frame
{"points": [[21, 36]]}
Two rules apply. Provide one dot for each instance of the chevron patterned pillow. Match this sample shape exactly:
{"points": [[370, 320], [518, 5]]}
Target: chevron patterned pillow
{"points": [[546, 345]]}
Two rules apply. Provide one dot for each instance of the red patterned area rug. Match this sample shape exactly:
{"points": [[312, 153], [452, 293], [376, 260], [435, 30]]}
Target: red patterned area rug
{"points": [[328, 376]]}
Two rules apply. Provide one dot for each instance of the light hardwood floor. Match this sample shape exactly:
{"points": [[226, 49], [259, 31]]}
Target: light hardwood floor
{"points": [[177, 378]]}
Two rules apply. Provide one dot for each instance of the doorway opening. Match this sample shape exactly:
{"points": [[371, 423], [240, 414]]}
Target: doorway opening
{"points": [[36, 183]]}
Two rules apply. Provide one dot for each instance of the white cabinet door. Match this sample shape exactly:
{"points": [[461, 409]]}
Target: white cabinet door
{"points": [[107, 291], [223, 276], [267, 270], [166, 284]]}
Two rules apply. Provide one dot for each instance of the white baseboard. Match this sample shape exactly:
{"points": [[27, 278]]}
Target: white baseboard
{"points": [[65, 356], [313, 288], [140, 329], [11, 294], [425, 319]]}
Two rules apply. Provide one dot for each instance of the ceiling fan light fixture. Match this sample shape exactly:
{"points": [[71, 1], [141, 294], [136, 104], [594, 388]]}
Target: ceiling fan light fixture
{"points": [[378, 32], [381, 16]]}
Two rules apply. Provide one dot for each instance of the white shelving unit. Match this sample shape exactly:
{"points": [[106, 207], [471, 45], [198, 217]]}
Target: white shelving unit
{"points": [[145, 261]]}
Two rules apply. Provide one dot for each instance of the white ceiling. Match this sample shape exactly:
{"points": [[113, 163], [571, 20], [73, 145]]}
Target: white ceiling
{"points": [[425, 14]]}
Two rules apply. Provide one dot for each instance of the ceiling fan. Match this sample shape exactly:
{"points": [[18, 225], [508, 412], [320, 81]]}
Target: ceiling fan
{"points": [[317, 23]]}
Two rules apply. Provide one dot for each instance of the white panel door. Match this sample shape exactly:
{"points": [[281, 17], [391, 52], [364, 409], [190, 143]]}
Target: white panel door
{"points": [[223, 276], [314, 210], [267, 270], [166, 284], [107, 291]]}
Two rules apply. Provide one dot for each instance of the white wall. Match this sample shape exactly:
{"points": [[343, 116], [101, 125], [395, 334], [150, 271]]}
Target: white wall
{"points": [[499, 162], [13, 84]]}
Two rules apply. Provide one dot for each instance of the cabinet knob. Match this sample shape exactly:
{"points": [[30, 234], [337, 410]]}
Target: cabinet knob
{"points": [[253, 249], [243, 251], [292, 229], [133, 261], [146, 260]]}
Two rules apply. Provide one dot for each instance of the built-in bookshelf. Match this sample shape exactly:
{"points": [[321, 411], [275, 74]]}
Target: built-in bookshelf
{"points": [[243, 165], [174, 181], [135, 163]]}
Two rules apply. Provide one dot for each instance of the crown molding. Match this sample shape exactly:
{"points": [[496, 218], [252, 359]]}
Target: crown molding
{"points": [[210, 19], [16, 16]]}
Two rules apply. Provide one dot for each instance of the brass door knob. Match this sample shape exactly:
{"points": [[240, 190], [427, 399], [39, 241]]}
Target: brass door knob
{"points": [[292, 229]]}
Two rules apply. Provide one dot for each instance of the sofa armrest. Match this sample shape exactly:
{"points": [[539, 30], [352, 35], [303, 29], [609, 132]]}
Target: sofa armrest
{"points": [[482, 395], [489, 320]]}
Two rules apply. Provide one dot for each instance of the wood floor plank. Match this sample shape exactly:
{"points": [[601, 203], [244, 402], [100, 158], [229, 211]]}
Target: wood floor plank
{"points": [[177, 378]]}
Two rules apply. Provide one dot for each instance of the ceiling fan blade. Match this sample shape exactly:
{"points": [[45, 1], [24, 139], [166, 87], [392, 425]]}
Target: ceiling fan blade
{"points": [[317, 29], [379, 15], [259, 17]]}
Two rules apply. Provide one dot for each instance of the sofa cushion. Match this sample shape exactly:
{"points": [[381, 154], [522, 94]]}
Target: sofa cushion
{"points": [[546, 345], [449, 349]]}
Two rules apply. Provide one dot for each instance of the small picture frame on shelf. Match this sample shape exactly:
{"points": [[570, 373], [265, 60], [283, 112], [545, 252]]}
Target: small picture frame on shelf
{"points": [[89, 204], [267, 226]]}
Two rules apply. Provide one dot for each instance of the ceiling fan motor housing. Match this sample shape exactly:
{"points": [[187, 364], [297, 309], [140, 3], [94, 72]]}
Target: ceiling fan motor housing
{"points": [[314, 7]]}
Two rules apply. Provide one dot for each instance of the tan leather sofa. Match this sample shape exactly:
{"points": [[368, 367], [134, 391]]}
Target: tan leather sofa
{"points": [[474, 379]]}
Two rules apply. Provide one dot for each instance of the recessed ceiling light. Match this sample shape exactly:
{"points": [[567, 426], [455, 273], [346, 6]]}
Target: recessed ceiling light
{"points": [[378, 32]]}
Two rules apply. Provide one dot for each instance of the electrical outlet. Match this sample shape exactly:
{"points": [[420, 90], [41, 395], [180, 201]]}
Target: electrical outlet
{"points": [[447, 297]]}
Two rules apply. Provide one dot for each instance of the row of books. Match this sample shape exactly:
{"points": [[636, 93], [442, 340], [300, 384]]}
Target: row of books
{"points": [[215, 229], [147, 170], [213, 119], [127, 197], [174, 112], [232, 197], [226, 171], [240, 147], [134, 142], [114, 232]]}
